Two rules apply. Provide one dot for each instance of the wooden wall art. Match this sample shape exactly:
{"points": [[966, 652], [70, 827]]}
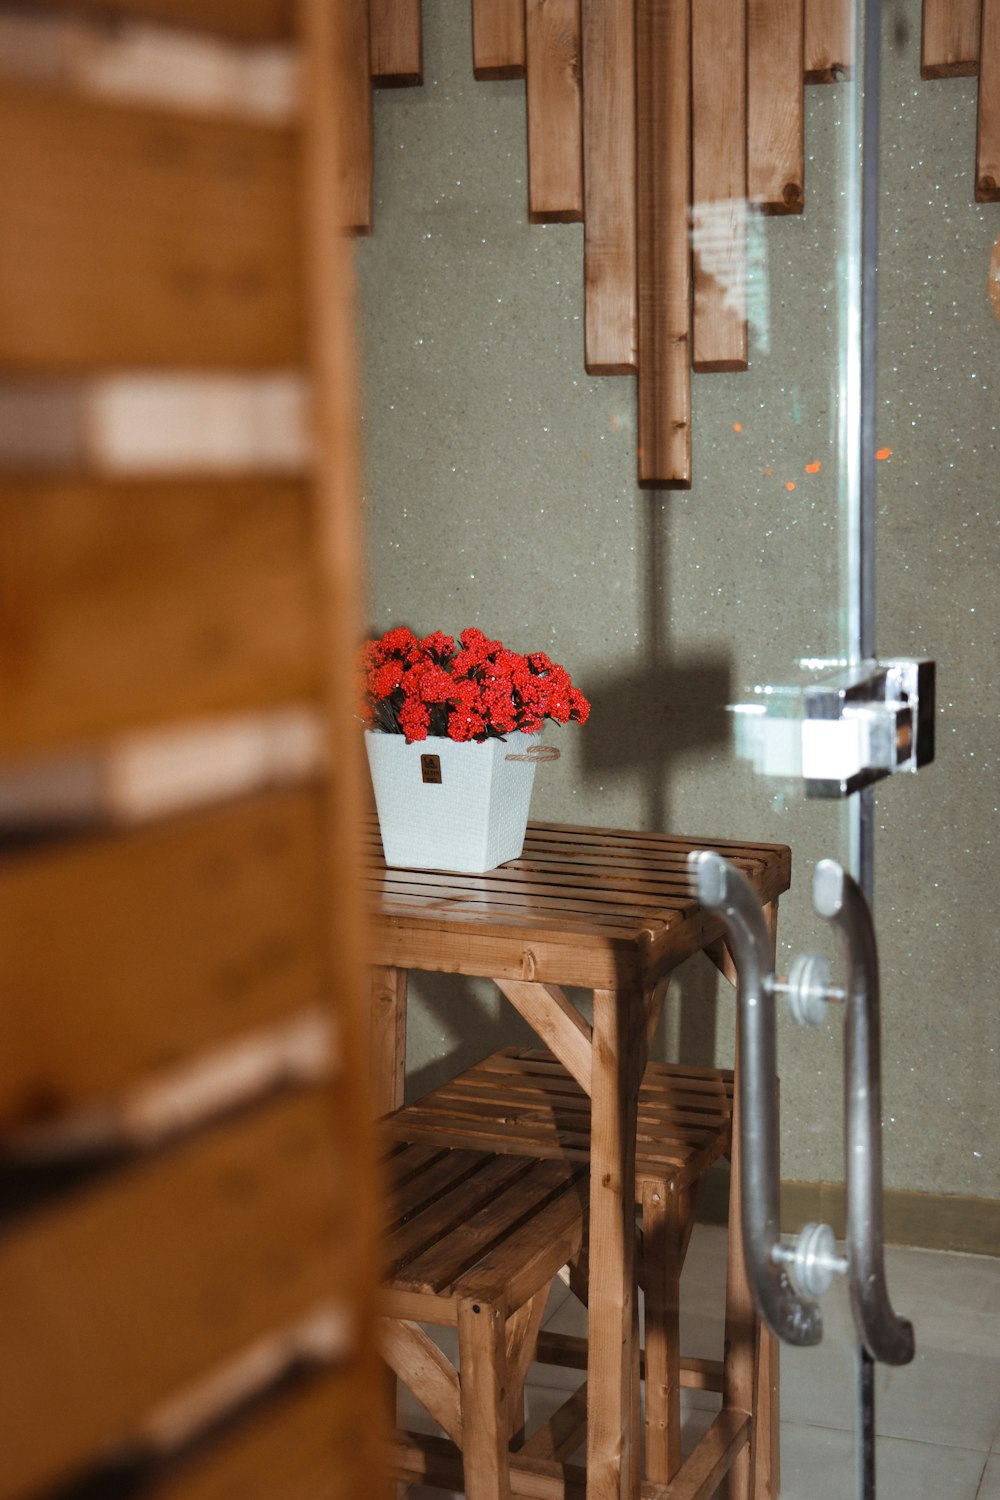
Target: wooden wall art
{"points": [[686, 118], [659, 124], [961, 39]]}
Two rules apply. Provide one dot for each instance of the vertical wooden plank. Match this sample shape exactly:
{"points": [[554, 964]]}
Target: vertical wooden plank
{"points": [[555, 120], [110, 594], [609, 186], [330, 291], [829, 40], [244, 20], [357, 158], [299, 1444], [738, 1371], [988, 132], [775, 106], [397, 52], [498, 41], [663, 130], [765, 1436], [485, 1418], [138, 237], [181, 936], [521, 1343], [949, 44], [719, 183], [387, 1020], [661, 1238], [133, 1286], [613, 1462]]}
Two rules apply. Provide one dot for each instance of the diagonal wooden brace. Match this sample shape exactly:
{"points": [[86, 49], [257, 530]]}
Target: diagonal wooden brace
{"points": [[428, 1373], [554, 1018]]}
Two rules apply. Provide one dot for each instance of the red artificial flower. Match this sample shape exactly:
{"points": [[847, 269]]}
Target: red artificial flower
{"points": [[414, 720], [438, 645], [436, 684], [385, 679], [474, 691]]}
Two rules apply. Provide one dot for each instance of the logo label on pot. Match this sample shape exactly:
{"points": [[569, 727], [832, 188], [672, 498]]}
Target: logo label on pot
{"points": [[430, 769]]}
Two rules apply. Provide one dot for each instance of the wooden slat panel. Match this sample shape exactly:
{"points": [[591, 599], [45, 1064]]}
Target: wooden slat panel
{"points": [[338, 540], [555, 121], [663, 128], [949, 46], [154, 425], [532, 1253], [417, 1249], [140, 238], [562, 946], [130, 604], [133, 1288], [988, 134], [357, 158], [397, 55], [775, 106], [248, 20], [609, 179], [138, 778], [137, 63], [130, 953], [498, 41], [719, 183], [829, 40], [301, 1445]]}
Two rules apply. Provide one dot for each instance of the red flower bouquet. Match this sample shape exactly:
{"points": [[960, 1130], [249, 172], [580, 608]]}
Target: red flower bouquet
{"points": [[475, 690]]}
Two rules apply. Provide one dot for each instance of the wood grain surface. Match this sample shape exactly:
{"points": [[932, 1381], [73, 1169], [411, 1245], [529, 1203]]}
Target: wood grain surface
{"points": [[775, 105], [138, 237], [663, 154], [949, 45], [129, 604]]}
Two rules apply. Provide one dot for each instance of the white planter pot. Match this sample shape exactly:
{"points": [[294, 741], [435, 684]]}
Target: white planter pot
{"points": [[449, 806]]}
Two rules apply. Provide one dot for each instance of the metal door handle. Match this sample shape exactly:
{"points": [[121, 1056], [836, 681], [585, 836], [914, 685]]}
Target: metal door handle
{"points": [[837, 897], [722, 889], [787, 1280]]}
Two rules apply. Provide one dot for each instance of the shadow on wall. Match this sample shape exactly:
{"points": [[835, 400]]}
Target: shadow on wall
{"points": [[667, 705], [472, 1020]]}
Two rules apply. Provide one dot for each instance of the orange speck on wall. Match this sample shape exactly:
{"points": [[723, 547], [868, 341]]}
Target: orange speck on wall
{"points": [[790, 485], [814, 467], [883, 453], [737, 426], [769, 471]]}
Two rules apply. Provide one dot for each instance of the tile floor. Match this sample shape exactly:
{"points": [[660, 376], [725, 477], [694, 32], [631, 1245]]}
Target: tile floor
{"points": [[938, 1419]]}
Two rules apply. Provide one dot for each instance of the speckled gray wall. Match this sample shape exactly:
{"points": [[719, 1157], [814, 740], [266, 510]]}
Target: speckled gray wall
{"points": [[501, 492]]}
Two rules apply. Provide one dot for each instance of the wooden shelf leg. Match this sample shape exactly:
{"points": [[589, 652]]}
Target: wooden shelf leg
{"points": [[482, 1339], [387, 1038], [662, 1242], [613, 1393]]}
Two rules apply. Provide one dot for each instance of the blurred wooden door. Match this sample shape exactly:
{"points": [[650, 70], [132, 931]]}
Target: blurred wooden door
{"points": [[187, 1202]]}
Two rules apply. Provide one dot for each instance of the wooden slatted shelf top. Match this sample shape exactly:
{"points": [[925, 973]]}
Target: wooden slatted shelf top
{"points": [[459, 1215], [522, 1099], [596, 907]]}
